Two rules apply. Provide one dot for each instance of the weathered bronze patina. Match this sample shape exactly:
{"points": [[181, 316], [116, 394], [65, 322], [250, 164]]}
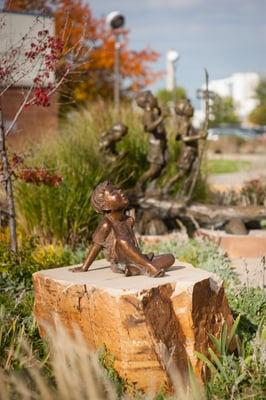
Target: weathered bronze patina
{"points": [[109, 140], [153, 121], [187, 164], [115, 236]]}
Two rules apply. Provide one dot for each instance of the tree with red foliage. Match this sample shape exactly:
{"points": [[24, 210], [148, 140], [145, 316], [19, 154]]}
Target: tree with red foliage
{"points": [[77, 34], [40, 55], [94, 76]]}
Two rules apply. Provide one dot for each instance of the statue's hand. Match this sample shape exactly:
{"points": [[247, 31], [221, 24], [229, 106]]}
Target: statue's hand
{"points": [[165, 113], [203, 134], [78, 269]]}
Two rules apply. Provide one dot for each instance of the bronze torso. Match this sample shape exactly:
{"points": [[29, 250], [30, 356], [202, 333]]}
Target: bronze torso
{"points": [[107, 232], [157, 138]]}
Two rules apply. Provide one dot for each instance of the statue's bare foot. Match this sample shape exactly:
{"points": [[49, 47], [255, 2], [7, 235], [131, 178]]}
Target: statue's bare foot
{"points": [[159, 273], [154, 273], [77, 269], [132, 270]]}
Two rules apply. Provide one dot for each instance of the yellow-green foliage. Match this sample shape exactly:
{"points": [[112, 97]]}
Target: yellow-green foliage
{"points": [[50, 254]]}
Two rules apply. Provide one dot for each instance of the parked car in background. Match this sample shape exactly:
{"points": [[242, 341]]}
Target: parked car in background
{"points": [[233, 131]]}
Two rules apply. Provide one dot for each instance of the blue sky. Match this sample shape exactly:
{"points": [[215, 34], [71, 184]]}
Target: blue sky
{"points": [[226, 36]]}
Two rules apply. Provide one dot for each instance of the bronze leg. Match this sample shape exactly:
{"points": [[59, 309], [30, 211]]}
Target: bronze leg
{"points": [[190, 177], [152, 173], [167, 188], [163, 261], [133, 255]]}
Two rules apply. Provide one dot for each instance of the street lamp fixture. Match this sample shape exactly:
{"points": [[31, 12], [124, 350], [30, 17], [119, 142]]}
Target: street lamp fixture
{"points": [[115, 20]]}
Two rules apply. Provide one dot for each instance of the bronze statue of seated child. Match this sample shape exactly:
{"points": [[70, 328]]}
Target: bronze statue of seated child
{"points": [[115, 236]]}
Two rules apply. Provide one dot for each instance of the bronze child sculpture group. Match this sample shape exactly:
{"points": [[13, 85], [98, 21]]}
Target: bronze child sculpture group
{"points": [[157, 157], [153, 122], [115, 236]]}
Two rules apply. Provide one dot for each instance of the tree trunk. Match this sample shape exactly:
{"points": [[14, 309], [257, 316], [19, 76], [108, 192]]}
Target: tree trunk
{"points": [[7, 181]]}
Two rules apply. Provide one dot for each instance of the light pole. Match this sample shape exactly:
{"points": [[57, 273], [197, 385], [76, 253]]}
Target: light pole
{"points": [[172, 58], [115, 20]]}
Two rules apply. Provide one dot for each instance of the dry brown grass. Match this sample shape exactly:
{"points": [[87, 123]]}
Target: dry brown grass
{"points": [[76, 374]]}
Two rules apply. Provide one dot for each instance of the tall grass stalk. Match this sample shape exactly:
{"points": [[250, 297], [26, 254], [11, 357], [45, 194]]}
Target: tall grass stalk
{"points": [[75, 374]]}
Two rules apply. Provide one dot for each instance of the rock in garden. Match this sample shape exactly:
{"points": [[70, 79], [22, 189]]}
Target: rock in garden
{"points": [[236, 227], [151, 326]]}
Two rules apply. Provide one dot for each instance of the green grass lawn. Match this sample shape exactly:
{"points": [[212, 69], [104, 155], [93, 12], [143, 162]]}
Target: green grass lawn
{"points": [[225, 166]]}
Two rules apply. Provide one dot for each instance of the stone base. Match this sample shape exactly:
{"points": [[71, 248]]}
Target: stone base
{"points": [[238, 246], [148, 324]]}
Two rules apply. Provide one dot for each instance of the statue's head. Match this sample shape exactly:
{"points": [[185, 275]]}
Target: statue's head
{"points": [[119, 130], [146, 98], [184, 107], [107, 197]]}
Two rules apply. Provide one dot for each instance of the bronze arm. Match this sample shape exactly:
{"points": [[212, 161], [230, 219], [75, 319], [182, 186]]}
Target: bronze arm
{"points": [[188, 139], [93, 253], [150, 126]]}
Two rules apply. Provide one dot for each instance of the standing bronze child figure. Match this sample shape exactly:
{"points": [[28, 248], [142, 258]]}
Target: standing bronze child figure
{"points": [[153, 121], [115, 236], [187, 164]]}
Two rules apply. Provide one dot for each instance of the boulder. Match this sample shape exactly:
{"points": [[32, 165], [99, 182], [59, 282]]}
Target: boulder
{"points": [[236, 227], [151, 326]]}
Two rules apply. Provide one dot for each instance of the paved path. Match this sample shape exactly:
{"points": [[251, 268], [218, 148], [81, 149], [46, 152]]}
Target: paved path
{"points": [[235, 180], [251, 271]]}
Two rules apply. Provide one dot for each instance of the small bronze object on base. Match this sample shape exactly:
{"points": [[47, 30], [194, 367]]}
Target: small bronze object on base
{"points": [[115, 236], [188, 162], [109, 139], [153, 121]]}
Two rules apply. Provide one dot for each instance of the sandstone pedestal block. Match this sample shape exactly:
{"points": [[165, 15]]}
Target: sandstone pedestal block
{"points": [[148, 324]]}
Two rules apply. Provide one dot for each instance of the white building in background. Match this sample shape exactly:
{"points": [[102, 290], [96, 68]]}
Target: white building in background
{"points": [[198, 118], [241, 87]]}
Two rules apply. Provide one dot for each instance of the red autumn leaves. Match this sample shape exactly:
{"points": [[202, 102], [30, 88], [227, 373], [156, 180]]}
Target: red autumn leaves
{"points": [[36, 176]]}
